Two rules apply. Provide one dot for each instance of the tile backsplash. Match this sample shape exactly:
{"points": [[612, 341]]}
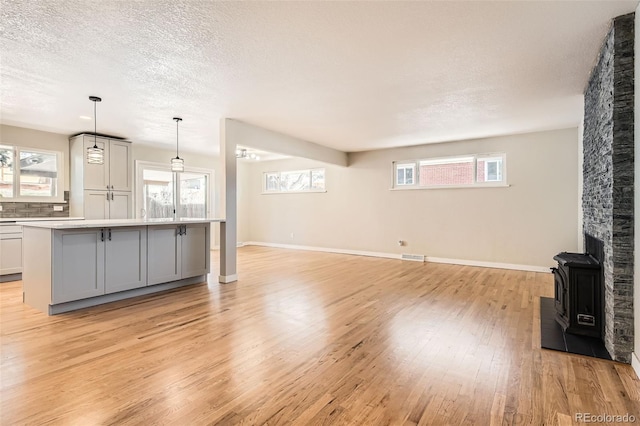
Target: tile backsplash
{"points": [[21, 209]]}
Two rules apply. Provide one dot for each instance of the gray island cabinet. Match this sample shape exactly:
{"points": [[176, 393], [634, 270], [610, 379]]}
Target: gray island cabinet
{"points": [[177, 255], [76, 264]]}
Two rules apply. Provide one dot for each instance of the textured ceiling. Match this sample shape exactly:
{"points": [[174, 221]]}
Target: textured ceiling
{"points": [[348, 75]]}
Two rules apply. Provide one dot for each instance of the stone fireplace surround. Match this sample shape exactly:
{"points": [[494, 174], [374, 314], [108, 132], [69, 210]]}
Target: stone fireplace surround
{"points": [[608, 171]]}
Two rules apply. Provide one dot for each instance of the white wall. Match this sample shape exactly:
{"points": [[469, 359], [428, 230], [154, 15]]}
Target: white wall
{"points": [[11, 135], [243, 200], [526, 223], [636, 258]]}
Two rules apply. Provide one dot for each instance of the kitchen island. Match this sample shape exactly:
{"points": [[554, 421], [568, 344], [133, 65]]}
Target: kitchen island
{"points": [[11, 245], [69, 265]]}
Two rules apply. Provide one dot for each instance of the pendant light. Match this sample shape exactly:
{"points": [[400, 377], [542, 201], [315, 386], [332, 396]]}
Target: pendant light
{"points": [[177, 163], [95, 155]]}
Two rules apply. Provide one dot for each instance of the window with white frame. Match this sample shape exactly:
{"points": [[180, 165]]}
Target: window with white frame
{"points": [[163, 193], [405, 174], [489, 169], [310, 180], [31, 174], [459, 171]]}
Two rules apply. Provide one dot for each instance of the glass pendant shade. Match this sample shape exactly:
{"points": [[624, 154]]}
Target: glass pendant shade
{"points": [[177, 164], [95, 155]]}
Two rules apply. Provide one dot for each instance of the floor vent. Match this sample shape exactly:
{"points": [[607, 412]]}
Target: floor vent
{"points": [[413, 257]]}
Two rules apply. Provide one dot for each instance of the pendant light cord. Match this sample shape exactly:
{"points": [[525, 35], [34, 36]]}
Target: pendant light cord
{"points": [[178, 120], [177, 139], [95, 126]]}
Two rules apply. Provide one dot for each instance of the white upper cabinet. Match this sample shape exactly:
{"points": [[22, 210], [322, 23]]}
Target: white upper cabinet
{"points": [[120, 170], [116, 172], [96, 176], [114, 178]]}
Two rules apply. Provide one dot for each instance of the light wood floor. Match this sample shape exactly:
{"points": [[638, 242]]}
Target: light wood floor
{"points": [[307, 338]]}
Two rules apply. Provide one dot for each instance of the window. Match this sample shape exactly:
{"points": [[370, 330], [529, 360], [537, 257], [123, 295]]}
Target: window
{"points": [[463, 171], [28, 174], [446, 171], [489, 169], [193, 194], [312, 180], [405, 173], [161, 192], [157, 193], [272, 182]]}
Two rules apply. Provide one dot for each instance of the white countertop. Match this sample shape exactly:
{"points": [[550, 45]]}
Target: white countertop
{"points": [[74, 224], [36, 219]]}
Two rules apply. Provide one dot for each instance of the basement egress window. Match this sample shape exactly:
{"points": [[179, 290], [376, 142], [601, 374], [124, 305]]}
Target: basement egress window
{"points": [[489, 170], [478, 170], [310, 180], [405, 174]]}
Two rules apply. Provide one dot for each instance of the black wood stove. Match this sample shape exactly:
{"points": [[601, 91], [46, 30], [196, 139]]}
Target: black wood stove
{"points": [[579, 293]]}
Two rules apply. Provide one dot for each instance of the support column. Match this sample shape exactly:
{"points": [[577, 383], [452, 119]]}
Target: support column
{"points": [[228, 199]]}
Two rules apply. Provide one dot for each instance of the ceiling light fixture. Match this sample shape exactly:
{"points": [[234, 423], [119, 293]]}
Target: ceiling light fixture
{"points": [[242, 153], [85, 117], [177, 163], [95, 155]]}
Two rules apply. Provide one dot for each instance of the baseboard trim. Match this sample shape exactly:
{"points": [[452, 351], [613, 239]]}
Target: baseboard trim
{"points": [[217, 247], [482, 264], [324, 249], [635, 363], [495, 265], [226, 279]]}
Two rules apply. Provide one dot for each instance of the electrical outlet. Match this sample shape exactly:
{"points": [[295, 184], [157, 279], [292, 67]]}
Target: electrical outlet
{"points": [[57, 208], [0, 208], [292, 235]]}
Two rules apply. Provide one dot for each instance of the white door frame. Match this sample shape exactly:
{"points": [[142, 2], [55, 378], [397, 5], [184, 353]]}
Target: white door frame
{"points": [[140, 165]]}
